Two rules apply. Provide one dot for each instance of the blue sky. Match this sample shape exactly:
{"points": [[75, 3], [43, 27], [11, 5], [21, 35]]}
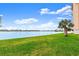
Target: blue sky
{"points": [[34, 16]]}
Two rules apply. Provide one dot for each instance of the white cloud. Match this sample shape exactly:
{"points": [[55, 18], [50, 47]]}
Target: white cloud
{"points": [[60, 18], [11, 28], [8, 28], [26, 21], [44, 11], [67, 12], [45, 26], [67, 8], [1, 15], [52, 12]]}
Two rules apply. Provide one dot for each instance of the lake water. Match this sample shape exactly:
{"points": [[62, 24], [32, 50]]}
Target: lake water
{"points": [[8, 35]]}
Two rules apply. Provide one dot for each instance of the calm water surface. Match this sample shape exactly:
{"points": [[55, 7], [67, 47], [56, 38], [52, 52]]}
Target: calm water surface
{"points": [[8, 35]]}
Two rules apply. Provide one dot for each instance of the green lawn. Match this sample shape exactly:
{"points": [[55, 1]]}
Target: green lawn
{"points": [[49, 45]]}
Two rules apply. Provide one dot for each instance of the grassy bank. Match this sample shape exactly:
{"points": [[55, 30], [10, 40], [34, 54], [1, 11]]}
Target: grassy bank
{"points": [[49, 45]]}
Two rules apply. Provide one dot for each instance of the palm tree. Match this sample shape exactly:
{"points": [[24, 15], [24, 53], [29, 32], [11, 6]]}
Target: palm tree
{"points": [[66, 25]]}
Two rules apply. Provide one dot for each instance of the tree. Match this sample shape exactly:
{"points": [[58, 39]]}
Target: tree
{"points": [[66, 25]]}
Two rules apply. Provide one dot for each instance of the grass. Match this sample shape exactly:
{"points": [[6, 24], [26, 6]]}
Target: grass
{"points": [[49, 45]]}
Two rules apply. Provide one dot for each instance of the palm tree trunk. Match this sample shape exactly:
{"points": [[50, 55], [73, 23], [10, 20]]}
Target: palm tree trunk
{"points": [[65, 32]]}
